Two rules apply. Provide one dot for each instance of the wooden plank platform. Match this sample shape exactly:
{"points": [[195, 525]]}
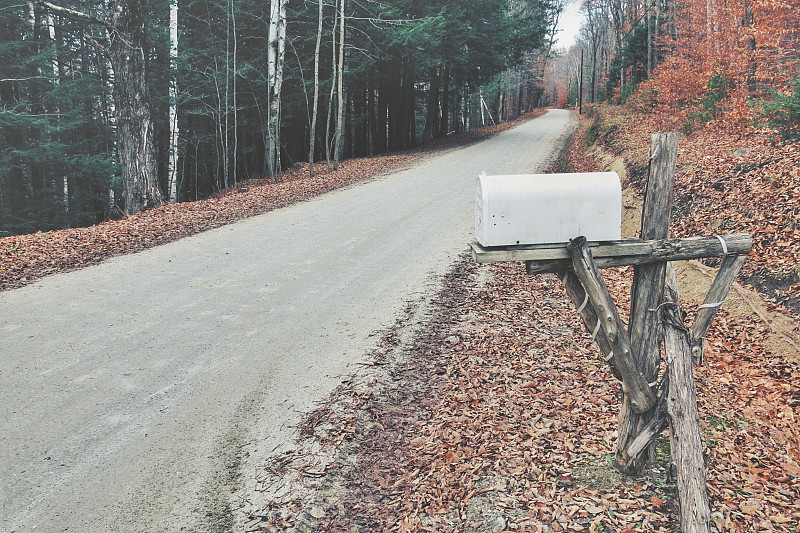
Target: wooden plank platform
{"points": [[541, 258], [549, 252]]}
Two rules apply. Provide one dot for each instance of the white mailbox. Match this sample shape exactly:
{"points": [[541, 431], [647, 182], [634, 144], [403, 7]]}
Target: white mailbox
{"points": [[547, 208]]}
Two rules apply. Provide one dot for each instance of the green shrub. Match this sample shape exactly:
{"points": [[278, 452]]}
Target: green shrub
{"points": [[718, 87], [782, 112]]}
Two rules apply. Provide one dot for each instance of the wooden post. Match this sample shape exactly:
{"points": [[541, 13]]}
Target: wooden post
{"points": [[647, 290], [580, 300], [649, 404], [634, 384], [687, 447], [716, 295]]}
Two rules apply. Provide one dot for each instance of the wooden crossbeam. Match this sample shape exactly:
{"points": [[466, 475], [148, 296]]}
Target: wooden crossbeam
{"points": [[544, 258], [558, 251]]}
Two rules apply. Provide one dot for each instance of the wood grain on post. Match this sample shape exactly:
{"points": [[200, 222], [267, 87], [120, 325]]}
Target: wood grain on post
{"points": [[633, 383], [648, 280], [579, 299], [716, 295], [687, 447], [660, 251], [648, 288]]}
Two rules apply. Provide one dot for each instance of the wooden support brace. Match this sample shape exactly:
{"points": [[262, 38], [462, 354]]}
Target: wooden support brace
{"points": [[633, 383], [726, 276], [687, 446], [648, 432], [580, 299]]}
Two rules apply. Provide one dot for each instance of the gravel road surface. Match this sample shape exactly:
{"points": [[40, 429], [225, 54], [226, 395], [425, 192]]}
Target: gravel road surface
{"points": [[143, 394]]}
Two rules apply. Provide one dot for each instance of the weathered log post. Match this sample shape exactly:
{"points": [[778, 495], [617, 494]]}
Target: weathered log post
{"points": [[646, 293], [686, 445], [634, 385]]}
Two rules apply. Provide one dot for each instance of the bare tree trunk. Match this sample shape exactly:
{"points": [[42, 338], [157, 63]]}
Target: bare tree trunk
{"points": [[333, 88], [26, 168], [444, 123], [277, 47], [313, 133], [225, 124], [340, 89], [750, 47], [234, 74], [432, 108], [172, 161], [135, 145]]}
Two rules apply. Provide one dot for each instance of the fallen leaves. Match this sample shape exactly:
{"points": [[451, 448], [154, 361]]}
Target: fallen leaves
{"points": [[727, 182], [514, 422]]}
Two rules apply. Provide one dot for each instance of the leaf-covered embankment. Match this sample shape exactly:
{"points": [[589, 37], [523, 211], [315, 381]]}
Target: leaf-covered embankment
{"points": [[727, 182]]}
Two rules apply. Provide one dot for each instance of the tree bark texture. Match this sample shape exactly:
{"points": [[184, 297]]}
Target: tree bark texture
{"points": [[662, 250], [172, 164], [634, 385], [720, 287], [687, 446], [135, 144], [275, 58], [337, 143], [648, 288], [315, 105], [580, 300]]}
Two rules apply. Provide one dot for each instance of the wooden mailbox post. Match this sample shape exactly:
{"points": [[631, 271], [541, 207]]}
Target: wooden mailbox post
{"points": [[649, 402]]}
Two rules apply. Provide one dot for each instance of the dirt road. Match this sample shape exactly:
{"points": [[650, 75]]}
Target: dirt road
{"points": [[144, 393]]}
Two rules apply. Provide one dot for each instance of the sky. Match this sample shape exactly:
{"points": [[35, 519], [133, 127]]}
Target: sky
{"points": [[569, 23]]}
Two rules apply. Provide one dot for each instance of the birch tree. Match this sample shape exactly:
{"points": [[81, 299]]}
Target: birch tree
{"points": [[172, 162], [275, 57], [313, 133], [337, 152], [328, 142]]}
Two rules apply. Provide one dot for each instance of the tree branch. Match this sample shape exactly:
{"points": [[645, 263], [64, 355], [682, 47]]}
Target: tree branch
{"points": [[73, 14]]}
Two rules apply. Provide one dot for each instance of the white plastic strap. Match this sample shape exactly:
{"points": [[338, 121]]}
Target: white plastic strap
{"points": [[583, 305], [609, 356], [596, 329], [723, 243]]}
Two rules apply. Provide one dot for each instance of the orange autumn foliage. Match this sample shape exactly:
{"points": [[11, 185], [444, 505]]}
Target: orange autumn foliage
{"points": [[753, 45]]}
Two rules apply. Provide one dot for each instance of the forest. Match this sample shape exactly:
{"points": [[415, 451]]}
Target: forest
{"points": [[112, 107]]}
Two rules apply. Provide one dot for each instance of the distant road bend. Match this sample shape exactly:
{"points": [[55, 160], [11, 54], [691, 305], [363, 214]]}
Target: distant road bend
{"points": [[141, 393]]}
